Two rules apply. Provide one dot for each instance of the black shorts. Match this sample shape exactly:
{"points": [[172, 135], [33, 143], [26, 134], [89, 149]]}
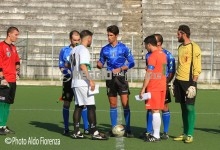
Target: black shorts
{"points": [[7, 94], [180, 88], [117, 85], [67, 93], [168, 97]]}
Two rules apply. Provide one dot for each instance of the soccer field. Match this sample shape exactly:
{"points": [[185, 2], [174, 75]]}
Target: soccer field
{"points": [[36, 118]]}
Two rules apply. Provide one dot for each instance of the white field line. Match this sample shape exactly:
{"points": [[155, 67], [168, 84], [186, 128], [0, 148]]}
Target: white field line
{"points": [[38, 109], [120, 140]]}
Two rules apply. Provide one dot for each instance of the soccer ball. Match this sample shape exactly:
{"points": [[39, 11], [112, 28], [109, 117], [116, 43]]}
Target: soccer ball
{"points": [[118, 130]]}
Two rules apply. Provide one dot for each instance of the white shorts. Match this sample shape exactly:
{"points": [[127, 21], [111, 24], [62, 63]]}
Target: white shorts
{"points": [[82, 97]]}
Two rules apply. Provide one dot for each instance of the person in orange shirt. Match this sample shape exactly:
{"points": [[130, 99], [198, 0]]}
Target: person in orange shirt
{"points": [[155, 83]]}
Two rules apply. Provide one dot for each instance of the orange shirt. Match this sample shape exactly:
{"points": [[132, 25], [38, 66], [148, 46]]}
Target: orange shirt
{"points": [[8, 60], [157, 63]]}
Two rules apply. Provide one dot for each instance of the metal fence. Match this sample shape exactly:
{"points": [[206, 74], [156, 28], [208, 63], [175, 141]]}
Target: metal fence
{"points": [[39, 56]]}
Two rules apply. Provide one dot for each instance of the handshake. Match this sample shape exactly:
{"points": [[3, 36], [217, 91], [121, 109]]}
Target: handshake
{"points": [[66, 72], [191, 91]]}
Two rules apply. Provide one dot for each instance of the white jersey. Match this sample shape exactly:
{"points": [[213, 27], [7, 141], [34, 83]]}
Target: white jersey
{"points": [[79, 55]]}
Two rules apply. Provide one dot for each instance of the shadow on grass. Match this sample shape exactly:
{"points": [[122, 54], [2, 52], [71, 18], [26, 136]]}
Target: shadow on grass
{"points": [[48, 126], [103, 127], [137, 131], [53, 127], [213, 131]]}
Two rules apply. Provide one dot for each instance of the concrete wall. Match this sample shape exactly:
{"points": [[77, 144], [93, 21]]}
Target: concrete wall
{"points": [[164, 16], [42, 21]]}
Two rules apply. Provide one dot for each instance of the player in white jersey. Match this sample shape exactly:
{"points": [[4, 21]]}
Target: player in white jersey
{"points": [[80, 62]]}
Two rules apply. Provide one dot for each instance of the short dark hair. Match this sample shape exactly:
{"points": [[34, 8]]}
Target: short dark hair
{"points": [[73, 32], [11, 29], [159, 38], [113, 29], [185, 29], [85, 33], [151, 39]]}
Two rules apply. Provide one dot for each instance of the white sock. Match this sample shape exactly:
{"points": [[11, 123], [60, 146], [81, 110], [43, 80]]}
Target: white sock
{"points": [[156, 124]]}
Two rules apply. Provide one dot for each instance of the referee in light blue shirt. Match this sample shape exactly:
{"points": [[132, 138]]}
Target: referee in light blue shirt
{"points": [[119, 59]]}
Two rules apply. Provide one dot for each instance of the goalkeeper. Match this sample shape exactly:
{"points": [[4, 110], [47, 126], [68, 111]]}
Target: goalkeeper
{"points": [[9, 73], [67, 93], [185, 84]]}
